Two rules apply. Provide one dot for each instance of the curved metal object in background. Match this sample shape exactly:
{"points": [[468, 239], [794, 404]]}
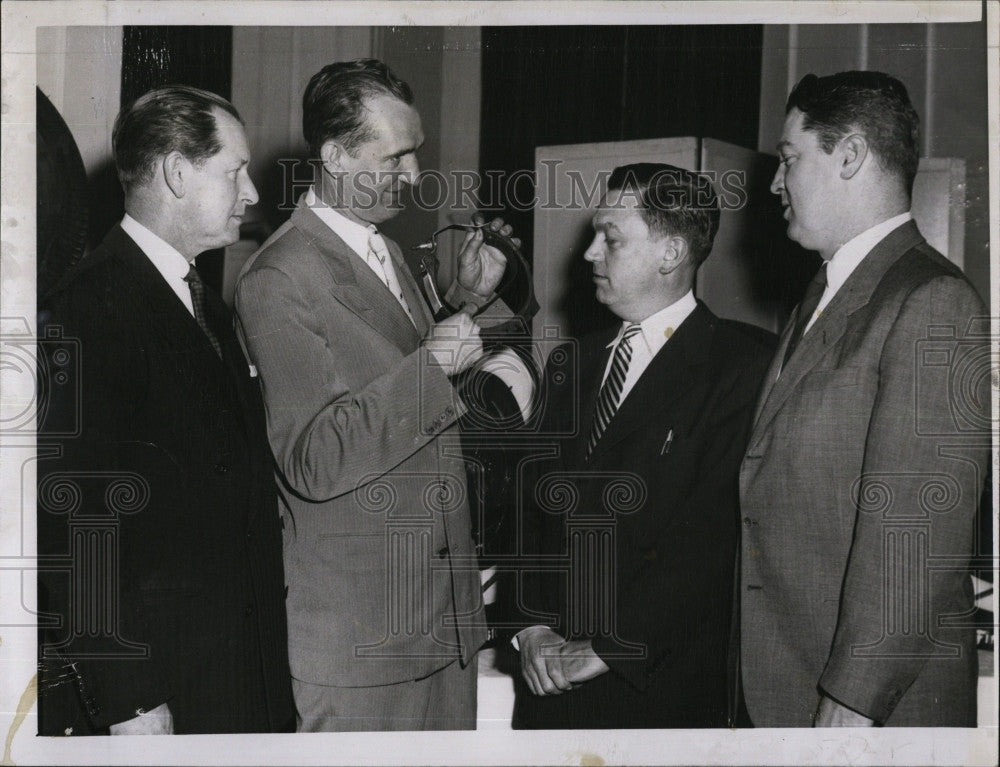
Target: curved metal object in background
{"points": [[61, 199]]}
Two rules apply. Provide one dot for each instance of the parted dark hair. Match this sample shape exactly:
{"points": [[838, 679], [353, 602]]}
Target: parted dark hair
{"points": [[871, 103], [164, 120], [333, 104], [674, 201]]}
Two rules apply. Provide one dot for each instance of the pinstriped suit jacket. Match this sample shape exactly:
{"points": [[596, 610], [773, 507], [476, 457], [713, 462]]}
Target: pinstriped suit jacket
{"points": [[382, 574]]}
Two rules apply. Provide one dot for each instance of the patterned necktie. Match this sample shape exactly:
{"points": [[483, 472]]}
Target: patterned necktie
{"points": [[193, 280], [807, 308], [611, 391], [381, 263]]}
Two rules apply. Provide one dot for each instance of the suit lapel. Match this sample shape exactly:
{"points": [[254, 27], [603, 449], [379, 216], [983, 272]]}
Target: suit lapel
{"points": [[668, 377], [355, 285], [830, 326], [166, 313], [411, 291]]}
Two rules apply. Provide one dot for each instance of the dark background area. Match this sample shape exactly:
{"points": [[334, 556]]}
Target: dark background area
{"points": [[577, 84]]}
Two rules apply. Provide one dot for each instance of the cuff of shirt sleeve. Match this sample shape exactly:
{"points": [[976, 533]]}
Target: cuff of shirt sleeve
{"points": [[457, 296], [515, 640]]}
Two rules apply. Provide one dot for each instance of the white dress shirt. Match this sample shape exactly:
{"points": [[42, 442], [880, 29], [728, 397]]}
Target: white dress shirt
{"points": [[358, 239], [849, 256], [352, 233], [165, 257], [656, 331]]}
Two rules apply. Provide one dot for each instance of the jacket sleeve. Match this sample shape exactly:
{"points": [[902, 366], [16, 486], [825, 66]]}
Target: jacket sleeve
{"points": [[917, 497], [99, 650], [328, 437]]}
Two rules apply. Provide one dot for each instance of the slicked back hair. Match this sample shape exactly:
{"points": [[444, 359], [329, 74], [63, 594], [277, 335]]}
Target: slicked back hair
{"points": [[673, 201], [871, 103], [164, 120], [333, 106]]}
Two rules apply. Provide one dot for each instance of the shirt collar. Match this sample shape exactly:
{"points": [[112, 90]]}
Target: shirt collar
{"points": [[354, 234], [657, 328], [853, 252], [164, 256]]}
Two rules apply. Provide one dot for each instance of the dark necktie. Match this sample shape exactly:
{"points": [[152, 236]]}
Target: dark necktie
{"points": [[200, 305], [611, 391], [807, 306]]}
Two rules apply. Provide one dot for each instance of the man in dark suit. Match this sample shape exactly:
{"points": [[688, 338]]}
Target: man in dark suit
{"points": [[636, 512], [860, 482], [384, 604], [159, 532]]}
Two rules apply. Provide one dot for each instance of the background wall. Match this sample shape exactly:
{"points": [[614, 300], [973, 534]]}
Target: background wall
{"points": [[944, 69], [79, 69], [529, 86]]}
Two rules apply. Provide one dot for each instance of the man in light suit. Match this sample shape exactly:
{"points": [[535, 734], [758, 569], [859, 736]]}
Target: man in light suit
{"points": [[385, 610], [648, 427], [165, 571], [860, 482]]}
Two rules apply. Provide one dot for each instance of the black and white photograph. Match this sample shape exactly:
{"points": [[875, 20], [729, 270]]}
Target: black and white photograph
{"points": [[499, 382]]}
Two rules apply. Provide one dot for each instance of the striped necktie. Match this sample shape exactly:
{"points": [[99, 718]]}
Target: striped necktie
{"points": [[200, 305], [611, 390]]}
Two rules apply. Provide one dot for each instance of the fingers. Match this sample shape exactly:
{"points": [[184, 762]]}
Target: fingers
{"points": [[541, 664], [556, 675], [470, 245], [496, 225]]}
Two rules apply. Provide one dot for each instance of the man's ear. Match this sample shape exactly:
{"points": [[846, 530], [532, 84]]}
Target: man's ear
{"points": [[854, 151], [175, 168], [332, 154], [675, 253]]}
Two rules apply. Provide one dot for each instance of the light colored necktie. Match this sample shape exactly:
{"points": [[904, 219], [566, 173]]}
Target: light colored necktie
{"points": [[381, 263], [611, 391]]}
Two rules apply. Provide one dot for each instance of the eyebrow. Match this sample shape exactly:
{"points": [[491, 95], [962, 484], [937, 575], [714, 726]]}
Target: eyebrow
{"points": [[604, 224], [404, 152]]}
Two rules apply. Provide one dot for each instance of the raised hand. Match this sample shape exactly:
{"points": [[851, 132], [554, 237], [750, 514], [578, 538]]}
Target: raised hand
{"points": [[481, 266]]}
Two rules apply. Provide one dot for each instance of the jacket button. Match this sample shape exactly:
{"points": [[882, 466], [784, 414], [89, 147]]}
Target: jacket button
{"points": [[221, 468], [443, 552], [249, 610]]}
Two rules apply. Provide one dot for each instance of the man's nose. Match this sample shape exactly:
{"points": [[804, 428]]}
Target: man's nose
{"points": [[410, 170], [778, 182], [249, 192], [594, 252]]}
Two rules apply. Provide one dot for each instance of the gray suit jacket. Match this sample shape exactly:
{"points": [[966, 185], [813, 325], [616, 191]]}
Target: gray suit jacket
{"points": [[382, 576], [859, 491]]}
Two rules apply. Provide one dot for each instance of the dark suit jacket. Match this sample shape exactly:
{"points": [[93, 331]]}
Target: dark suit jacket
{"points": [[383, 581], [175, 492], [859, 487], [645, 532]]}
